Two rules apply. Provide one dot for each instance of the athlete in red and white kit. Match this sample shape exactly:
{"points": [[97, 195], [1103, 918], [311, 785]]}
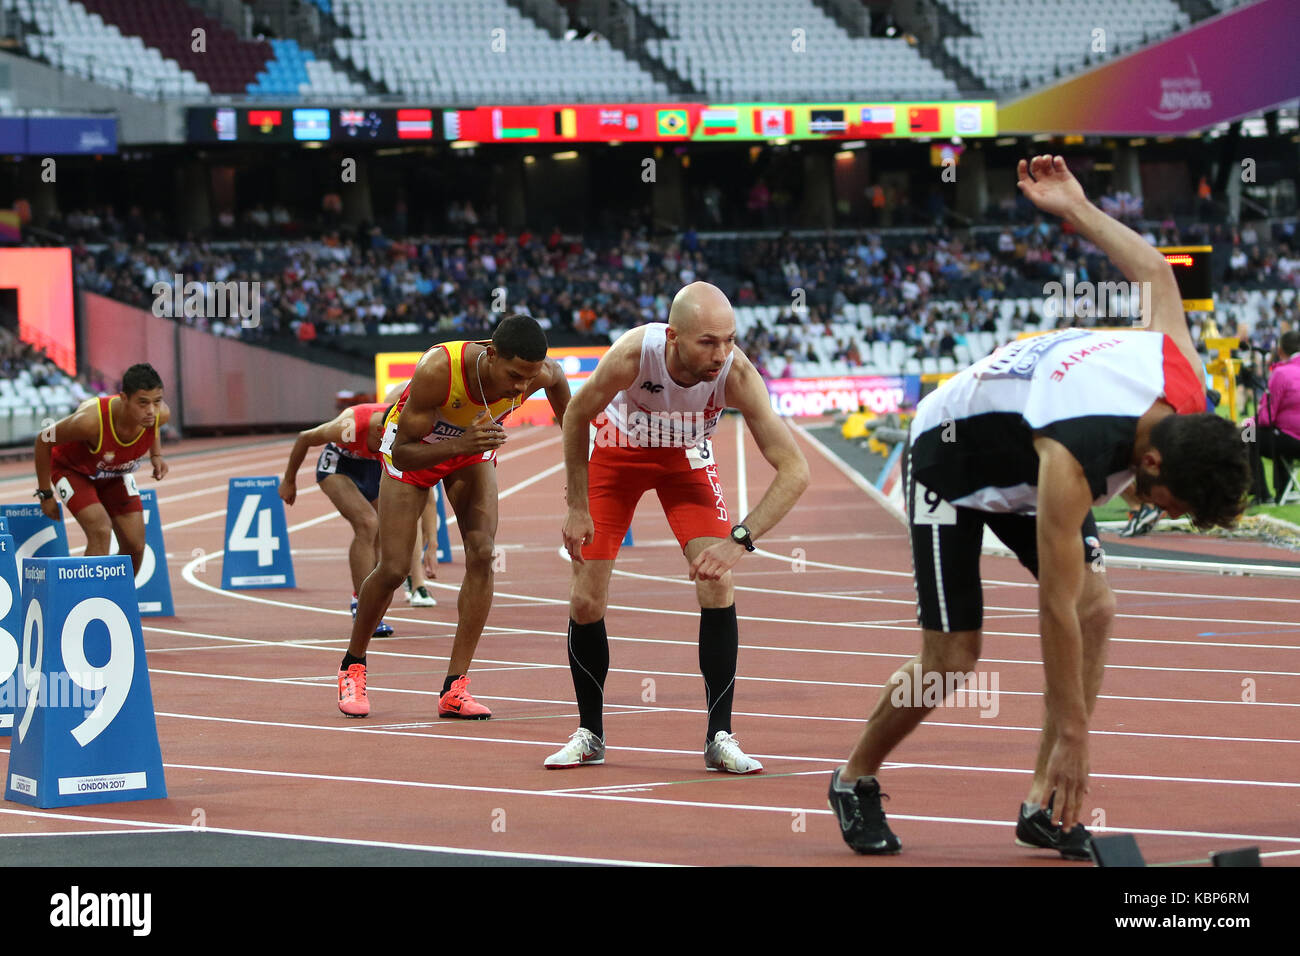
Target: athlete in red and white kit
{"points": [[88, 463], [660, 392]]}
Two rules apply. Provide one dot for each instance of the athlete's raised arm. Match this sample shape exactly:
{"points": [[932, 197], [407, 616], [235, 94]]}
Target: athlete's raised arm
{"points": [[747, 393], [1048, 183], [615, 371]]}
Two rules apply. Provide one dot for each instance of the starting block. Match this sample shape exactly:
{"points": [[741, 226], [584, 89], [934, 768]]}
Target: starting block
{"points": [[257, 537], [36, 535], [83, 729], [1246, 856], [1118, 850]]}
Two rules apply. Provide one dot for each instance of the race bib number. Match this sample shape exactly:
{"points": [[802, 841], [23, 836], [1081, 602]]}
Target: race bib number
{"points": [[701, 455], [390, 433], [929, 508], [63, 488], [329, 461], [129, 482]]}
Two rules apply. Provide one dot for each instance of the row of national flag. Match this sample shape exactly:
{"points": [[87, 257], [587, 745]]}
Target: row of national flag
{"points": [[852, 122]]}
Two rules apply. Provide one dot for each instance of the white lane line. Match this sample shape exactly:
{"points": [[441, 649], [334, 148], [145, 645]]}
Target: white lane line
{"points": [[146, 826], [742, 479], [511, 791]]}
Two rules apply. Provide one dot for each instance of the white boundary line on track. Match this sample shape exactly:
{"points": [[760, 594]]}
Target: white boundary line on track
{"points": [[617, 798], [143, 826]]}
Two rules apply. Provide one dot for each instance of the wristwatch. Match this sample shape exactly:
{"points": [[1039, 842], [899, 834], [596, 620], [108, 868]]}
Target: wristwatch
{"points": [[740, 535], [43, 494]]}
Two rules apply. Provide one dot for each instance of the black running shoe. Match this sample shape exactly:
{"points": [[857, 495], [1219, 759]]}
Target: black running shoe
{"points": [[1038, 830], [862, 821]]}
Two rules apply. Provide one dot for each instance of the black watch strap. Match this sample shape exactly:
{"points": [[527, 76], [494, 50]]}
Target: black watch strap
{"points": [[43, 494], [742, 538]]}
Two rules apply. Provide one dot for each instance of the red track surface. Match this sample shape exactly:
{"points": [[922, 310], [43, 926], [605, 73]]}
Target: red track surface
{"points": [[243, 686]]}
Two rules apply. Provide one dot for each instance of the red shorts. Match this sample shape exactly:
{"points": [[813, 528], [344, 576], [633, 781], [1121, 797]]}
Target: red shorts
{"points": [[118, 495], [691, 496], [428, 477]]}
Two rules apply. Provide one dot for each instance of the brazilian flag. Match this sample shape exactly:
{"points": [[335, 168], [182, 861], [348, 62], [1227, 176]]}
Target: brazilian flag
{"points": [[673, 123]]}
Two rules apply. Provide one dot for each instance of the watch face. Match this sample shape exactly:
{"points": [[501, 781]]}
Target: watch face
{"points": [[739, 533]]}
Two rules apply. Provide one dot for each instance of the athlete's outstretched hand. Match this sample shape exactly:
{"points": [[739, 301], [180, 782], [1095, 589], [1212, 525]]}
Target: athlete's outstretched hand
{"points": [[159, 467], [50, 508], [713, 562], [483, 434], [288, 490], [1067, 774], [579, 531], [1048, 183]]}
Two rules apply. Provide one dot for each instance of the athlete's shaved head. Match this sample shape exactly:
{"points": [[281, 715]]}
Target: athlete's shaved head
{"points": [[701, 333], [698, 305]]}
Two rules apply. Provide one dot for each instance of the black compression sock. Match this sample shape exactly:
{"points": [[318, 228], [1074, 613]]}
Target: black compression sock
{"points": [[589, 664], [448, 681], [349, 660], [719, 647]]}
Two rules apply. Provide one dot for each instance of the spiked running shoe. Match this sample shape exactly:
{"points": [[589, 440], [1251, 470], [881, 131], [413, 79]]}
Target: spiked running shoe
{"points": [[584, 748], [458, 703], [352, 691], [862, 820], [724, 753], [1146, 519], [1038, 831], [420, 597]]}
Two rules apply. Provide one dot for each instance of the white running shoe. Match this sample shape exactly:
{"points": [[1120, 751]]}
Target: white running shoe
{"points": [[420, 597], [724, 753], [583, 748]]}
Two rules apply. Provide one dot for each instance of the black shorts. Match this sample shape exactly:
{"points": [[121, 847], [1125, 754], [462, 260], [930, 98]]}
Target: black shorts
{"points": [[946, 545], [364, 472]]}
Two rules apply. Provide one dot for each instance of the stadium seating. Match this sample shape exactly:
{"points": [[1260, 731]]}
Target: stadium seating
{"points": [[1031, 42], [442, 50], [72, 39], [24, 405], [295, 72], [744, 50], [146, 48]]}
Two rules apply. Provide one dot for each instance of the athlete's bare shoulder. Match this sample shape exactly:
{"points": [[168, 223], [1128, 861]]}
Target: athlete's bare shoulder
{"points": [[432, 379]]}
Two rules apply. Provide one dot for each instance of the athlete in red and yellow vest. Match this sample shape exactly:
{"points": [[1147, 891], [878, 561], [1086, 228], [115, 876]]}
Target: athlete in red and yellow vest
{"points": [[87, 459], [446, 426], [454, 414]]}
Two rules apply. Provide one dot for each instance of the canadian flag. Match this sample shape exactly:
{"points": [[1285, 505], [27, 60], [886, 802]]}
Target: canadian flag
{"points": [[773, 122]]}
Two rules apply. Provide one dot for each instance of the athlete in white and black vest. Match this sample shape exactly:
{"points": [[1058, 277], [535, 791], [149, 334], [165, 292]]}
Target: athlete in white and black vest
{"points": [[1025, 442], [656, 396]]}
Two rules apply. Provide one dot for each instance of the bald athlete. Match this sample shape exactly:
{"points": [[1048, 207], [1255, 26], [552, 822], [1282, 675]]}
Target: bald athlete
{"points": [[657, 396]]}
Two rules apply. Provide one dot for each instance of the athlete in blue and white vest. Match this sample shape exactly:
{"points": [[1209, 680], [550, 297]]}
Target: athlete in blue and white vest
{"points": [[1025, 442]]}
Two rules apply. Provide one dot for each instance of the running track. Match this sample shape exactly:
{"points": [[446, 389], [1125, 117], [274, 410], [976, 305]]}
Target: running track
{"points": [[243, 686]]}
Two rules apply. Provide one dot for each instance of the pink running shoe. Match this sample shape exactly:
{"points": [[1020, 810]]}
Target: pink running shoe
{"points": [[352, 691], [458, 703]]}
